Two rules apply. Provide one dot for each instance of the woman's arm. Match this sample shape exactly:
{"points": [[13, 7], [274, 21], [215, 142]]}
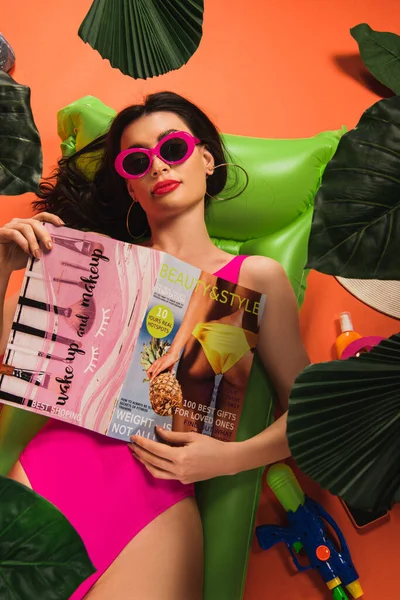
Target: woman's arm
{"points": [[279, 344], [7, 311], [4, 279], [283, 355], [19, 239], [191, 318]]}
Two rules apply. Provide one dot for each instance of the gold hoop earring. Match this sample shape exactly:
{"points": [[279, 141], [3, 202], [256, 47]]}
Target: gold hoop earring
{"points": [[134, 237], [241, 191]]}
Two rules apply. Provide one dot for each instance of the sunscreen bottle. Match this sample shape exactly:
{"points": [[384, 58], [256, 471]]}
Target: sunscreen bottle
{"points": [[347, 334]]}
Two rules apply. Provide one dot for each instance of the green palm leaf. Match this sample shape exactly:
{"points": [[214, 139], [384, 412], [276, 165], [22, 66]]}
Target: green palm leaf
{"points": [[380, 52], [20, 149], [41, 554], [344, 426], [144, 38], [356, 222]]}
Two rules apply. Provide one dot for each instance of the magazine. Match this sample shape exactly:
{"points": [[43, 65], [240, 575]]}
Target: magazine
{"points": [[119, 338]]}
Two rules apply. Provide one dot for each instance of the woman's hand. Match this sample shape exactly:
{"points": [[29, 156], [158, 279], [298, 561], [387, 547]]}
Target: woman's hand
{"points": [[22, 237], [189, 457], [163, 363]]}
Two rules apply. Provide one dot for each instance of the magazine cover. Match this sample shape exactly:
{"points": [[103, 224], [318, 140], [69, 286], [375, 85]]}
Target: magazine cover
{"points": [[119, 338]]}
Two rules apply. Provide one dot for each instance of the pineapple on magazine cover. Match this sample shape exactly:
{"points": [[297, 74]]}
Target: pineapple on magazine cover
{"points": [[165, 391]]}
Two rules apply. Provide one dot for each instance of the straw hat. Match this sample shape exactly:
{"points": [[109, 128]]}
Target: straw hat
{"points": [[379, 294]]}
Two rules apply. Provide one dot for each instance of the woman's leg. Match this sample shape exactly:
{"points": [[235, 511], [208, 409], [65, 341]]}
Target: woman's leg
{"points": [[164, 561], [230, 399], [18, 474], [197, 380]]}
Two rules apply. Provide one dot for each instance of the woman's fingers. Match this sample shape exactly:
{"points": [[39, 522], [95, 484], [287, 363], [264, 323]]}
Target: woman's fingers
{"points": [[29, 234], [41, 233], [158, 473], [161, 364], [160, 368], [153, 371], [46, 217], [27, 231], [34, 232], [12, 235], [161, 450], [151, 459], [152, 375]]}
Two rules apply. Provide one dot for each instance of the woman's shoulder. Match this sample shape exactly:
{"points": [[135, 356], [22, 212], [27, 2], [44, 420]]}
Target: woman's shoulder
{"points": [[261, 272], [262, 266]]}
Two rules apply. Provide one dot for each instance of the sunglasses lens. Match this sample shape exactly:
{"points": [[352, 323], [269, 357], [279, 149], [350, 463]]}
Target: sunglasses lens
{"points": [[136, 163], [174, 150]]}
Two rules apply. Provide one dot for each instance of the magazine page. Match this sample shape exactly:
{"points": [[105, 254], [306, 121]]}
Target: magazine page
{"points": [[210, 327], [77, 320], [119, 338]]}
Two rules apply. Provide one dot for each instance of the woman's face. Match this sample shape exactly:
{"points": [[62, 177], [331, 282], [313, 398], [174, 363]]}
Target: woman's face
{"points": [[190, 176]]}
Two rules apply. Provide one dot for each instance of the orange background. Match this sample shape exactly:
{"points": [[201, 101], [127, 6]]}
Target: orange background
{"points": [[267, 68]]}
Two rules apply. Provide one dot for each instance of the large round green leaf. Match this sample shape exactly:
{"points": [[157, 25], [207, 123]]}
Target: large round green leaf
{"points": [[144, 38], [41, 555], [20, 148], [344, 426], [355, 231], [380, 52]]}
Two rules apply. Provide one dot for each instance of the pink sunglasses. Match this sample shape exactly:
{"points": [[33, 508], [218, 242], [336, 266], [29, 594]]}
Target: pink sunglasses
{"points": [[173, 149]]}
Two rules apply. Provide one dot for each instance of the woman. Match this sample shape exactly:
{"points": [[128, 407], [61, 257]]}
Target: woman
{"points": [[138, 518]]}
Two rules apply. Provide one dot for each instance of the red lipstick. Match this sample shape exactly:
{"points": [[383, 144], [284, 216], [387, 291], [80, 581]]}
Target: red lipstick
{"points": [[165, 187]]}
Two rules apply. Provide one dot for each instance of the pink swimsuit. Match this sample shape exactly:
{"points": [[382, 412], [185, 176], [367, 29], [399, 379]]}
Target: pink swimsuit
{"points": [[106, 494]]}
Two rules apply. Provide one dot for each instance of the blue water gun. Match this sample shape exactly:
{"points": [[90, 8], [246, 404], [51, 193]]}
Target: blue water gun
{"points": [[307, 532]]}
